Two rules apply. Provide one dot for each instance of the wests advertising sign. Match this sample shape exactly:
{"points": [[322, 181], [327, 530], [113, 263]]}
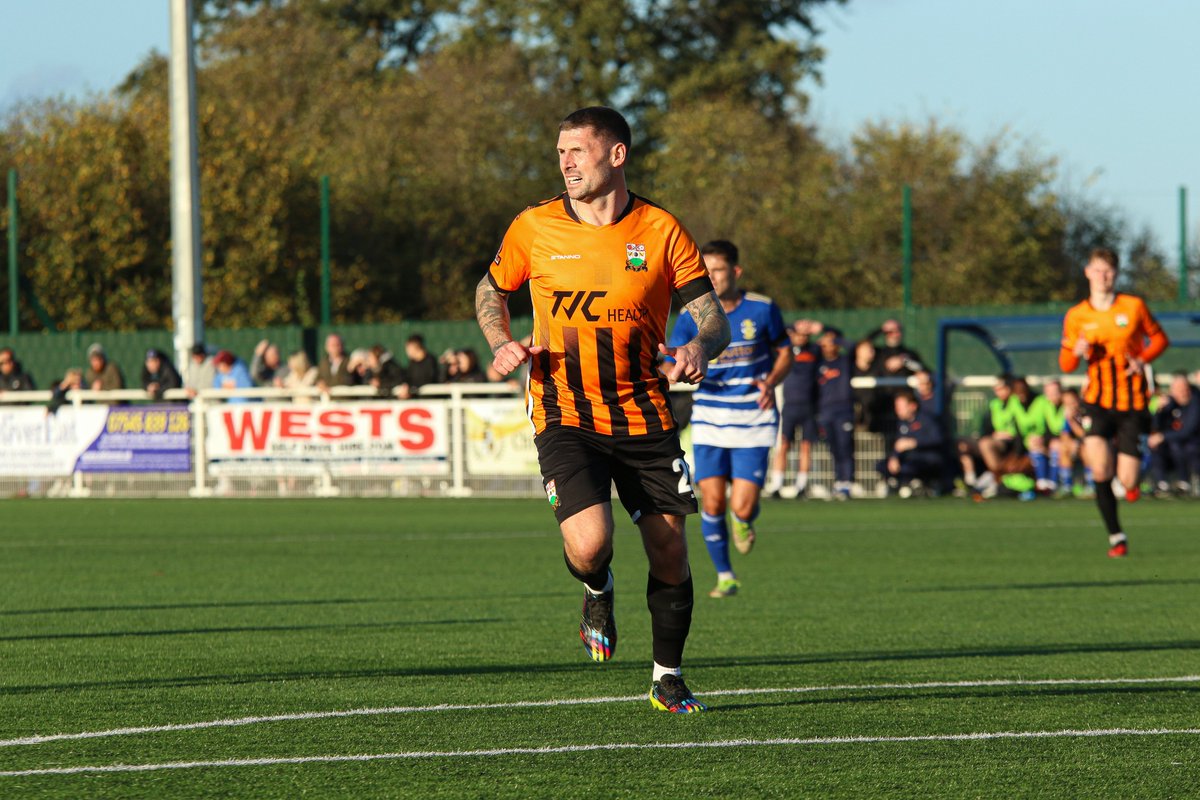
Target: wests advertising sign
{"points": [[347, 439]]}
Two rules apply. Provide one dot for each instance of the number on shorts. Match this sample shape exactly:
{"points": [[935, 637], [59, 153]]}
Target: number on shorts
{"points": [[685, 479]]}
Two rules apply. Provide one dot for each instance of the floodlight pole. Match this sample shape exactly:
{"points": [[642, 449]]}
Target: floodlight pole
{"points": [[326, 279], [14, 285], [187, 295], [1183, 254]]}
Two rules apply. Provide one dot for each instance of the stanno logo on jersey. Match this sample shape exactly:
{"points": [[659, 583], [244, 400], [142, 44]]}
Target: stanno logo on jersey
{"points": [[748, 329], [576, 301], [635, 257], [565, 257]]}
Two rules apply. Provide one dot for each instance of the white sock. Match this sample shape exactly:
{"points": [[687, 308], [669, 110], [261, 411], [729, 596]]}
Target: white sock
{"points": [[660, 670], [802, 481], [774, 481], [1116, 538], [726, 576]]}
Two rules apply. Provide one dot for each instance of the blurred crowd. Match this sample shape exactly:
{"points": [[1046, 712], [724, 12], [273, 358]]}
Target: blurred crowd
{"points": [[206, 368]]}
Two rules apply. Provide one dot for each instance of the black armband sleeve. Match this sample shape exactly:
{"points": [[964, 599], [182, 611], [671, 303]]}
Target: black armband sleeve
{"points": [[693, 289]]}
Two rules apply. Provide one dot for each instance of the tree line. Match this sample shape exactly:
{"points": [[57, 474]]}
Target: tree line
{"points": [[436, 122]]}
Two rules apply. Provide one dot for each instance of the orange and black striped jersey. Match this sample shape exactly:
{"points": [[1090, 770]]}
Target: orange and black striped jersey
{"points": [[601, 298], [1125, 329]]}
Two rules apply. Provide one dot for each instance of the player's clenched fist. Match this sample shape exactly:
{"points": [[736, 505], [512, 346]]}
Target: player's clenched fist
{"points": [[690, 364], [511, 355]]}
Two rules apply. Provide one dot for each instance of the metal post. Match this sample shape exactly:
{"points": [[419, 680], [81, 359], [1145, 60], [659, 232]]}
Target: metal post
{"points": [[906, 247], [14, 290], [325, 274], [187, 296], [1183, 254]]}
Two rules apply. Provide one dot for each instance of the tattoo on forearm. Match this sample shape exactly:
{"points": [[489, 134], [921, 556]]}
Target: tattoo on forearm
{"points": [[711, 323], [491, 309]]}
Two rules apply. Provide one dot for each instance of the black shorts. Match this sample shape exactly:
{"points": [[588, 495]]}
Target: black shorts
{"points": [[1127, 426], [797, 416], [580, 467]]}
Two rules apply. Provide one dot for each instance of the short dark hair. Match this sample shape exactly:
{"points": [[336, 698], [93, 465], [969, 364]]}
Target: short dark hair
{"points": [[907, 394], [721, 247], [1106, 255], [603, 120], [416, 338]]}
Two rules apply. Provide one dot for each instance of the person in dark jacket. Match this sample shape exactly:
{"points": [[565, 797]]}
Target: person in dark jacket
{"points": [[835, 408], [917, 454], [1175, 442], [13, 377], [422, 366], [386, 372], [159, 374]]}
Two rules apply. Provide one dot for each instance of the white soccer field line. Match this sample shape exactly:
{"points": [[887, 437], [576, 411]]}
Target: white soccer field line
{"points": [[590, 748], [388, 710]]}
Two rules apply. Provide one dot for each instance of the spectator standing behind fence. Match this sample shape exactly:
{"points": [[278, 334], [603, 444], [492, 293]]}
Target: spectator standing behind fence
{"points": [[916, 455], [1175, 441], [422, 366], [334, 369], [301, 374], [199, 371], [102, 374], [464, 367], [799, 413], [73, 379], [159, 374], [359, 366], [231, 373], [835, 409], [267, 367], [13, 377], [386, 372]]}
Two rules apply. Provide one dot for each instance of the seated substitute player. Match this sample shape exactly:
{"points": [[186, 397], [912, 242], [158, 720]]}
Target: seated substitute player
{"points": [[917, 452], [1175, 442], [1118, 336], [602, 265], [734, 422]]}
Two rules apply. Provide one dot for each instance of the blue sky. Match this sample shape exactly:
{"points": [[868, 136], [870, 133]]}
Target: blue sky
{"points": [[1106, 86]]}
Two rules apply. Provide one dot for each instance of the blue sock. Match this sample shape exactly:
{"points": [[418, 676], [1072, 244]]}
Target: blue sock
{"points": [[716, 539], [1041, 466], [1087, 478], [1066, 476]]}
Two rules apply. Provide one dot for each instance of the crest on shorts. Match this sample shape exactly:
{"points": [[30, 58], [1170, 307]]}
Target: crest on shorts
{"points": [[749, 329], [552, 493], [1086, 423], [1122, 320], [635, 257]]}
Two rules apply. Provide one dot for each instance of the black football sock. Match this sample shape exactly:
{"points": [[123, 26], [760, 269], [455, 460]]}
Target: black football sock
{"points": [[596, 581], [1106, 501], [670, 619]]}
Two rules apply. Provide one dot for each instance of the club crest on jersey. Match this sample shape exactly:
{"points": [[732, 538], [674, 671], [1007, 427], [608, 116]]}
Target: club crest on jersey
{"points": [[748, 329], [635, 257], [1122, 320], [552, 493]]}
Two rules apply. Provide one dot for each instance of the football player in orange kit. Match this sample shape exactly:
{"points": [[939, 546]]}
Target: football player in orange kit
{"points": [[1118, 336]]}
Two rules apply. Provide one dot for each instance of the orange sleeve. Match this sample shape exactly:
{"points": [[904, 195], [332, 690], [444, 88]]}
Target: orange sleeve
{"points": [[511, 266], [686, 262], [1154, 332], [1067, 360]]}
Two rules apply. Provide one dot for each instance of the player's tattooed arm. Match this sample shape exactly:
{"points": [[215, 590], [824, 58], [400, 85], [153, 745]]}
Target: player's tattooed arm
{"points": [[711, 339], [491, 309], [712, 325]]}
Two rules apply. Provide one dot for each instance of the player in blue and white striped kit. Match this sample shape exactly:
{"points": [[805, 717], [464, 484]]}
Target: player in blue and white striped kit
{"points": [[734, 421]]}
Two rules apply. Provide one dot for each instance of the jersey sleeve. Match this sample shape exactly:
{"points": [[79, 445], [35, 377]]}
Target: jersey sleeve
{"points": [[1153, 331], [689, 278], [776, 330], [1067, 360], [511, 266]]}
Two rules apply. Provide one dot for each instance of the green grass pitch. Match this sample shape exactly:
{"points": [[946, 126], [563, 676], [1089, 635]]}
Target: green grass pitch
{"points": [[878, 649]]}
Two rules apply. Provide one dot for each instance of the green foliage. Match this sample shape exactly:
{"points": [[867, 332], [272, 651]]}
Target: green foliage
{"points": [[435, 121]]}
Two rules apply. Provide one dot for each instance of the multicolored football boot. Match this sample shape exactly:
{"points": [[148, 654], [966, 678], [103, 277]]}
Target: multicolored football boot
{"points": [[726, 587], [672, 694], [597, 628], [743, 535]]}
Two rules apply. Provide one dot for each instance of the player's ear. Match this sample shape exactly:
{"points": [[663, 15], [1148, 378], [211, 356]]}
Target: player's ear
{"points": [[737, 272], [617, 154]]}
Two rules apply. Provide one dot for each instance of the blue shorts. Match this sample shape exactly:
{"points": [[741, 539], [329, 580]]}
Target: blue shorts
{"points": [[746, 463], [797, 416]]}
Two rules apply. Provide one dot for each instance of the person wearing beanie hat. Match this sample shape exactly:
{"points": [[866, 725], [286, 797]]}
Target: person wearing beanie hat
{"points": [[101, 374], [159, 374]]}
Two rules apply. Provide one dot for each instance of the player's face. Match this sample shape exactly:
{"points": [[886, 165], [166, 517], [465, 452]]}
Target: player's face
{"points": [[588, 163], [722, 274], [1101, 276]]}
